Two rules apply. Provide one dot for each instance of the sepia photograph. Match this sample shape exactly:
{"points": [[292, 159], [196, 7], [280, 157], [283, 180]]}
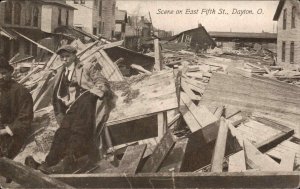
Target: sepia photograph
{"points": [[150, 94]]}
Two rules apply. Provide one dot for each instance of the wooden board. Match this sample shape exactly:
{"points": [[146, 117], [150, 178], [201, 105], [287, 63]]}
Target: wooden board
{"points": [[156, 93], [287, 162], [257, 160], [131, 159], [159, 154], [184, 180], [237, 162], [28, 177], [220, 146], [175, 159], [254, 94], [203, 116]]}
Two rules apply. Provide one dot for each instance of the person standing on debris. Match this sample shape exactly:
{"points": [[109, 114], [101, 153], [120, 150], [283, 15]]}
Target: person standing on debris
{"points": [[16, 112], [82, 102]]}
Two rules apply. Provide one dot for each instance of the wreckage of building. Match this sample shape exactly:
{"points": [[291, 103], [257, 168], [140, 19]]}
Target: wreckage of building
{"points": [[219, 118]]}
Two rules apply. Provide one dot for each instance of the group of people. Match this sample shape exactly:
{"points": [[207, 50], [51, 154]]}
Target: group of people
{"points": [[82, 100]]}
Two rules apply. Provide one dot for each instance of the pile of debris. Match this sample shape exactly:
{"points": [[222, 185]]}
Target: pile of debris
{"points": [[195, 116]]}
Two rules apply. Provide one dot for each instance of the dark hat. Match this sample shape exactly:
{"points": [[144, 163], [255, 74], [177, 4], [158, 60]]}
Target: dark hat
{"points": [[67, 48], [5, 65]]}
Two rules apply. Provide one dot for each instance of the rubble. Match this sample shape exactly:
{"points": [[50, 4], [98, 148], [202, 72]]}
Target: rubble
{"points": [[219, 108]]}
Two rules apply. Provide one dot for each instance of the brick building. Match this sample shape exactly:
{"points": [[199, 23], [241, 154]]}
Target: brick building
{"points": [[288, 32], [95, 16]]}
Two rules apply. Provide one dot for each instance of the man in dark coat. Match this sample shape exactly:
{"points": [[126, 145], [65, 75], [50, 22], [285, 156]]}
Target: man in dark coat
{"points": [[16, 112], [82, 102]]}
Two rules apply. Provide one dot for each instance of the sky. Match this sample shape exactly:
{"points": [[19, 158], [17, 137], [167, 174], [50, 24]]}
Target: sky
{"points": [[236, 16]]}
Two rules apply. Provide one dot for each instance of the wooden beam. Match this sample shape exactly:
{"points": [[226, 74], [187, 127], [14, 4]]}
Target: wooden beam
{"points": [[220, 145], [140, 68], [28, 177], [184, 180], [131, 159], [162, 124], [159, 154], [158, 65]]}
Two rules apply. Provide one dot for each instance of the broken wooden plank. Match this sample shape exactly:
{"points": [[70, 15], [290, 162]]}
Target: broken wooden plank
{"points": [[27, 177], [189, 92], [162, 123], [257, 160], [131, 159], [160, 152], [220, 145], [237, 162], [140, 68], [287, 161], [188, 117], [204, 117], [175, 159], [158, 64]]}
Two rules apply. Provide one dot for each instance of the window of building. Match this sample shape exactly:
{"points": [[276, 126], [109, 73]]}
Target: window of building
{"points": [[8, 12], [94, 31], [82, 1], [283, 52], [59, 17], [100, 8], [95, 3], [284, 19], [76, 1], [113, 8], [293, 17], [35, 16], [67, 18], [292, 52], [17, 14], [28, 15]]}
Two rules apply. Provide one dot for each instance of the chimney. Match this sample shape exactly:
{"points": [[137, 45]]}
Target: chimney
{"points": [[199, 25]]}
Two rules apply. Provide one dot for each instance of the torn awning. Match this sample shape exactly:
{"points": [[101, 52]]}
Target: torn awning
{"points": [[7, 33]]}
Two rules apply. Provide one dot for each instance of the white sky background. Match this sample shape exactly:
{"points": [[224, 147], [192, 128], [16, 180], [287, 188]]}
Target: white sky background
{"points": [[214, 22]]}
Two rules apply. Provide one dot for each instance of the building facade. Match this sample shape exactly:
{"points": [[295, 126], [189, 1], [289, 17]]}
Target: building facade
{"points": [[95, 16], [23, 22], [288, 32]]}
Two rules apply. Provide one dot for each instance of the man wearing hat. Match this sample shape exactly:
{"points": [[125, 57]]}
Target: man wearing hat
{"points": [[16, 112], [82, 102]]}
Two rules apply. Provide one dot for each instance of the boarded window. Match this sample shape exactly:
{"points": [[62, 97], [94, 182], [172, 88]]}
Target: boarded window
{"points": [[284, 19], [35, 16], [293, 17], [292, 52], [8, 12], [17, 14], [283, 52], [59, 17]]}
